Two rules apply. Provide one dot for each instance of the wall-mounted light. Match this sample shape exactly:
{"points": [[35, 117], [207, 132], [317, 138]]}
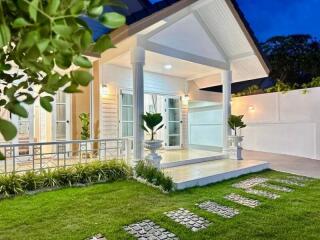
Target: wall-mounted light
{"points": [[185, 99], [104, 90], [167, 66], [251, 108]]}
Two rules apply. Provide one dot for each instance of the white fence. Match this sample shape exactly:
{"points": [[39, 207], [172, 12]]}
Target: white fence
{"points": [[38, 156], [285, 123]]}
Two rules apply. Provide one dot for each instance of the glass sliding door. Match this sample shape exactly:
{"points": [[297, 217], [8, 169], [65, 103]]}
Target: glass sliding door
{"points": [[173, 122]]}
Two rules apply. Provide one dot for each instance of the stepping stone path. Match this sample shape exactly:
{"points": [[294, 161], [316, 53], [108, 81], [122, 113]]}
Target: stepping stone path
{"points": [[188, 219], [276, 187], [242, 200], [223, 211], [249, 183], [262, 193], [97, 237], [300, 178], [148, 230], [289, 182]]}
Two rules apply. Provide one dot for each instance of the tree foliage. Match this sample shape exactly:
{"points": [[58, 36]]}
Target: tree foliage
{"points": [[39, 41], [294, 59]]}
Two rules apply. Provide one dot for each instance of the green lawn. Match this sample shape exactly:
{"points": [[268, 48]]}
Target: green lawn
{"points": [[81, 212]]}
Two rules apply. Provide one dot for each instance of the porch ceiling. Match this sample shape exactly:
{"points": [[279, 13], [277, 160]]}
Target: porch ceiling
{"points": [[198, 40], [156, 63]]}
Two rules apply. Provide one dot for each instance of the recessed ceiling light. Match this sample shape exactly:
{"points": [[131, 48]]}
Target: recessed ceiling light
{"points": [[167, 66]]}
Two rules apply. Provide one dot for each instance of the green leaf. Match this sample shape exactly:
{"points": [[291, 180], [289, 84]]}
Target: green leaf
{"points": [[33, 9], [53, 7], [20, 23], [81, 77], [82, 61], [43, 44], [2, 157], [103, 44], [86, 40], [73, 88], [17, 109], [77, 7], [63, 61], [7, 129], [61, 44], [45, 102], [114, 3], [2, 102], [113, 20], [5, 35], [95, 12], [62, 30]]}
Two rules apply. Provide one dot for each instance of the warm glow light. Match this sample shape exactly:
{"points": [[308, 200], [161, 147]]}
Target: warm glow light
{"points": [[167, 66], [251, 108], [185, 99], [104, 90]]}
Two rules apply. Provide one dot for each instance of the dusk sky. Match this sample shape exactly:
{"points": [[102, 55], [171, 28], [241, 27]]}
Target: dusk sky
{"points": [[282, 17]]}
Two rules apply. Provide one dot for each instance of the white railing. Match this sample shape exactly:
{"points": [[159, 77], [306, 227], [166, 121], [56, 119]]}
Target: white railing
{"points": [[24, 157]]}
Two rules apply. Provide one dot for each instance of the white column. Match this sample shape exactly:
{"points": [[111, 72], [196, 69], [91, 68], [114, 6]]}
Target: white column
{"points": [[138, 61], [226, 77]]}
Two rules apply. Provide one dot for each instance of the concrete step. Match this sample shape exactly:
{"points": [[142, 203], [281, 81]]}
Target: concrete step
{"points": [[204, 173], [192, 161]]}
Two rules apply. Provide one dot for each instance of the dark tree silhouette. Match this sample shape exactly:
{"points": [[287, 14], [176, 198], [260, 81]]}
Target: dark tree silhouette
{"points": [[293, 58]]}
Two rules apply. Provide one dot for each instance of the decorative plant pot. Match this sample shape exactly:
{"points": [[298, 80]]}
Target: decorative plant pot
{"points": [[153, 158], [235, 149]]}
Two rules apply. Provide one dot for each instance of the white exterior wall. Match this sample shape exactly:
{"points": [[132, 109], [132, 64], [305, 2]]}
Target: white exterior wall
{"points": [[281, 123], [205, 126]]}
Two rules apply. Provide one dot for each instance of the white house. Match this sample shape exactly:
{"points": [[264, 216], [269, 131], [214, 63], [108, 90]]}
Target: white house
{"points": [[160, 64]]}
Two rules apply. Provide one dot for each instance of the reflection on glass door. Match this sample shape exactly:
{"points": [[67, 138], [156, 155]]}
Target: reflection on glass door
{"points": [[173, 122]]}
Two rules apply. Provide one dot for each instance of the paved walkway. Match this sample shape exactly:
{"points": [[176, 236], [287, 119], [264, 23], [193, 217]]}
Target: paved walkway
{"points": [[285, 163]]}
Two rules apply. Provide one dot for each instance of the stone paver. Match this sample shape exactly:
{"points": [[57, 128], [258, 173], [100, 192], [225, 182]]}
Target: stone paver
{"points": [[148, 230], [97, 237], [249, 183], [223, 211], [276, 187], [262, 193], [299, 178], [242, 200], [289, 182], [188, 219]]}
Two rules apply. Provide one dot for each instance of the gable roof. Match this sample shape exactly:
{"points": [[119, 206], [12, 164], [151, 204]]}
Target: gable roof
{"points": [[144, 13]]}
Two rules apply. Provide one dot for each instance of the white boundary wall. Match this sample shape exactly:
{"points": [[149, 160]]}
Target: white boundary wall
{"points": [[285, 123]]}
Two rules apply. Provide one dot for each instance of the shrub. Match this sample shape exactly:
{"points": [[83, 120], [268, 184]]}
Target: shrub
{"points": [[10, 185], [154, 176], [13, 184]]}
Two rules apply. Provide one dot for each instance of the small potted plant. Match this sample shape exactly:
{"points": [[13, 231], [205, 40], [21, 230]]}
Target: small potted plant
{"points": [[152, 124], [85, 133], [236, 123]]}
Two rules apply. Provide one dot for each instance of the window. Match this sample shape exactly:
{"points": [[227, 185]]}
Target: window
{"points": [[127, 115]]}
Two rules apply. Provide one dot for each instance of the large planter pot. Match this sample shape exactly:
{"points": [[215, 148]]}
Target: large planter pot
{"points": [[235, 149], [235, 141], [153, 158]]}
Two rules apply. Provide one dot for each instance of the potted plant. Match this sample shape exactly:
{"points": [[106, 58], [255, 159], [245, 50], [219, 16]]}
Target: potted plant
{"points": [[235, 123], [152, 124], [85, 133]]}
